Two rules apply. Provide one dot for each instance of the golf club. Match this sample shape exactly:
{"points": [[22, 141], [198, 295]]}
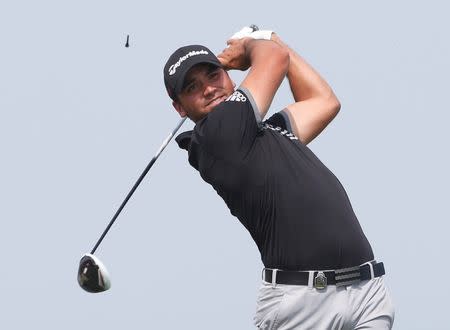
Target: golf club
{"points": [[92, 274]]}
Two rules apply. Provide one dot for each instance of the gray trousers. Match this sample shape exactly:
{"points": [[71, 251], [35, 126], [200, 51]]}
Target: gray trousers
{"points": [[365, 305]]}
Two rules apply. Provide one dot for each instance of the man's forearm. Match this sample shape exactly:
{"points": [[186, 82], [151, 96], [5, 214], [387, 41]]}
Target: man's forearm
{"points": [[256, 51], [266, 72]]}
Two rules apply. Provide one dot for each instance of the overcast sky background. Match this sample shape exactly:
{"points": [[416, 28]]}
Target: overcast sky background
{"points": [[81, 116]]}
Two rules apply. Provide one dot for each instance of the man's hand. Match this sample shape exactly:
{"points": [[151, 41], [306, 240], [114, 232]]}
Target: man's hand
{"points": [[235, 56], [274, 37], [252, 32]]}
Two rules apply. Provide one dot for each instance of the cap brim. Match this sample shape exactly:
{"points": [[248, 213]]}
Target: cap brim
{"points": [[178, 88]]}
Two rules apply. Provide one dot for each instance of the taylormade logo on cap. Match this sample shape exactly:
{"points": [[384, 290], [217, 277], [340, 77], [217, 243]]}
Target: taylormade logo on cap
{"points": [[173, 67]]}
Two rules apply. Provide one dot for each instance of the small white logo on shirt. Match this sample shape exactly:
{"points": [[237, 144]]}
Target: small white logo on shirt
{"points": [[281, 131], [236, 97], [173, 67]]}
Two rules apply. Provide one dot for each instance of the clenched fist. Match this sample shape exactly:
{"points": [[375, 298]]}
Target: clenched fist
{"points": [[235, 56]]}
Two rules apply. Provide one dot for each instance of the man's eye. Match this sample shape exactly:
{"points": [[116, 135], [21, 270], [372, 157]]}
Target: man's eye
{"points": [[214, 75], [190, 88]]}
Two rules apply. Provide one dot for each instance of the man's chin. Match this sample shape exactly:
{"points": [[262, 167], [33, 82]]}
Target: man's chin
{"points": [[200, 116]]}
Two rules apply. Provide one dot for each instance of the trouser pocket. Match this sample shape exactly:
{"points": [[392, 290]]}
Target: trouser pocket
{"points": [[268, 306]]}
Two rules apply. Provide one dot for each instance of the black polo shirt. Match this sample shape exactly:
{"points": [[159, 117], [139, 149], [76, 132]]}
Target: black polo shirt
{"points": [[295, 209]]}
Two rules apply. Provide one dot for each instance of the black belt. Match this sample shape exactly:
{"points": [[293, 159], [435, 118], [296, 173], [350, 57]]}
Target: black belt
{"points": [[321, 279]]}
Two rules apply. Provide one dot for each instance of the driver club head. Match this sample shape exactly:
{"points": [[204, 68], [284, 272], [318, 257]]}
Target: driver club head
{"points": [[92, 274]]}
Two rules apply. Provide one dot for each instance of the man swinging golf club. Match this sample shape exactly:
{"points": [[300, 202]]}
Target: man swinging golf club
{"points": [[320, 271]]}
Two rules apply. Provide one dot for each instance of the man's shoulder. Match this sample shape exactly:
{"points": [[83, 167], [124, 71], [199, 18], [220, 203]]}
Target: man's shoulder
{"points": [[238, 96], [237, 100], [231, 125], [228, 110]]}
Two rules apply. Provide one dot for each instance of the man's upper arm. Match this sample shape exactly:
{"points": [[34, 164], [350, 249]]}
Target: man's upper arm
{"points": [[310, 117]]}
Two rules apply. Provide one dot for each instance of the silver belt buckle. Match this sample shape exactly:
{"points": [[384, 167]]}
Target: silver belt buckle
{"points": [[320, 281]]}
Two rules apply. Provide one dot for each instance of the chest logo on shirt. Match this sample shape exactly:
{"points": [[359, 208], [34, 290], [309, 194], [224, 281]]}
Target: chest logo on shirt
{"points": [[236, 97], [283, 132]]}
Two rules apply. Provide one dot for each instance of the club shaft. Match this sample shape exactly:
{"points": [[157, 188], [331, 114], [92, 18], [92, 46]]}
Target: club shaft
{"points": [[139, 180]]}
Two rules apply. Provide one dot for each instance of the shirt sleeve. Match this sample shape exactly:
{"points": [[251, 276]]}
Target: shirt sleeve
{"points": [[229, 130], [280, 119]]}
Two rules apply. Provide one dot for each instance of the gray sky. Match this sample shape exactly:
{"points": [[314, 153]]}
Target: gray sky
{"points": [[81, 115]]}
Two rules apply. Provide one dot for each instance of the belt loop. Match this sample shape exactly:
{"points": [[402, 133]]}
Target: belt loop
{"points": [[274, 277], [310, 279], [372, 274], [263, 274]]}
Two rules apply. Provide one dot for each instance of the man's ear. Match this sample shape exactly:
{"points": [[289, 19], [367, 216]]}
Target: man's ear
{"points": [[234, 84], [179, 108]]}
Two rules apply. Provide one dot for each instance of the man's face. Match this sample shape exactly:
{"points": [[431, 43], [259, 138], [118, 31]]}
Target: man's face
{"points": [[205, 86]]}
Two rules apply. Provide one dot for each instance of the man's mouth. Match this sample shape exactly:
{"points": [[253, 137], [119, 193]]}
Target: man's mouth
{"points": [[216, 101]]}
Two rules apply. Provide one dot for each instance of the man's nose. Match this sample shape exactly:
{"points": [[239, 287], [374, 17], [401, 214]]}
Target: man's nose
{"points": [[208, 90]]}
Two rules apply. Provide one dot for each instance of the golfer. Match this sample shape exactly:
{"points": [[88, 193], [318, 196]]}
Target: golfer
{"points": [[320, 271]]}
